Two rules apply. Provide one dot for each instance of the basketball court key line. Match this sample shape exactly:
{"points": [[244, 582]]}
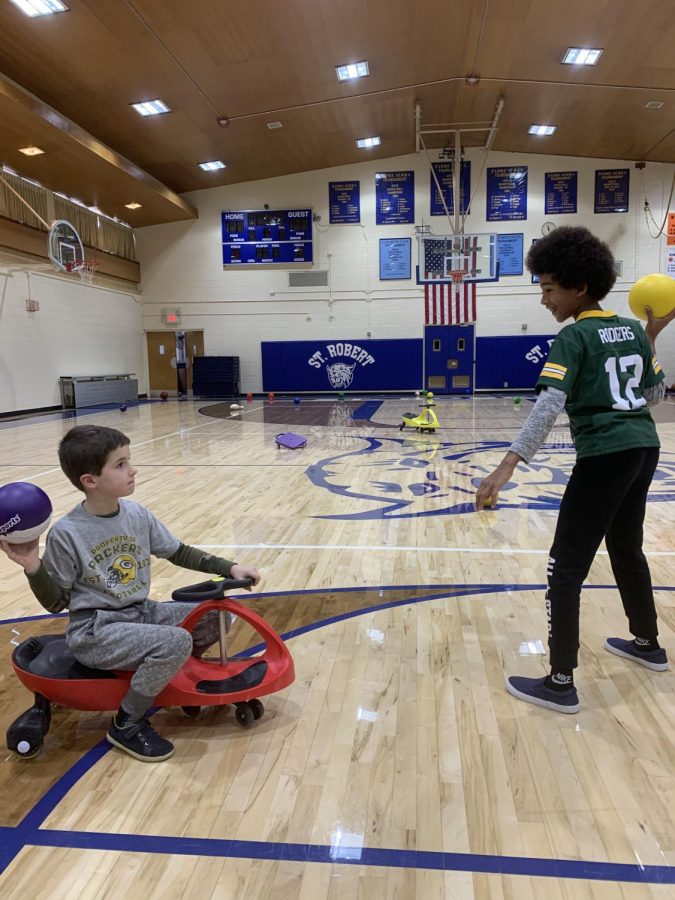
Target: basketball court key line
{"points": [[378, 548]]}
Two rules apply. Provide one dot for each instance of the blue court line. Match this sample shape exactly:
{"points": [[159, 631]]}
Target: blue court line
{"points": [[470, 588], [29, 833], [531, 867], [478, 588], [51, 799], [367, 410]]}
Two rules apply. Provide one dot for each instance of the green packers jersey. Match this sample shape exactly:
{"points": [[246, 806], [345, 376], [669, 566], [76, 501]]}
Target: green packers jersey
{"points": [[603, 362]]}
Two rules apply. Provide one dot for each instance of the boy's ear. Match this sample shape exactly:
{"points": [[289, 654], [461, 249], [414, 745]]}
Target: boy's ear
{"points": [[88, 482], [582, 290]]}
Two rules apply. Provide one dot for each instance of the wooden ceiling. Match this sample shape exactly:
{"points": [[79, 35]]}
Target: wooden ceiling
{"points": [[69, 79]]}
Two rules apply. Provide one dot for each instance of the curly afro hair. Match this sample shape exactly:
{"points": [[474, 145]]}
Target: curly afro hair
{"points": [[574, 258]]}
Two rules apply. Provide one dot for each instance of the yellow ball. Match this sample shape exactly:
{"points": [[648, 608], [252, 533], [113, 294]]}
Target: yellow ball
{"points": [[655, 291], [491, 502]]}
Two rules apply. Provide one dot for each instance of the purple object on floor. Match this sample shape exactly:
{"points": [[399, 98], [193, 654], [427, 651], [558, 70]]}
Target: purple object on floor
{"points": [[291, 440]]}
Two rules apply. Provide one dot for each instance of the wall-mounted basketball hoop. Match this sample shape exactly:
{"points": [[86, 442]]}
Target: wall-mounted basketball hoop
{"points": [[86, 269], [64, 246]]}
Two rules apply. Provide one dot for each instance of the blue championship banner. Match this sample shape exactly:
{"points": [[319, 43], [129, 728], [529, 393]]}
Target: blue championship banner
{"points": [[341, 365], [443, 172], [560, 193], [506, 194], [394, 198], [395, 258], [344, 202], [510, 254], [611, 190]]}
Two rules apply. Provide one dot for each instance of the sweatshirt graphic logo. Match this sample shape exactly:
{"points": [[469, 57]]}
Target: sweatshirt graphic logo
{"points": [[121, 571]]}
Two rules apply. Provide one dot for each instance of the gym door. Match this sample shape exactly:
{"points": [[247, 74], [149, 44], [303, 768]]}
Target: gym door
{"points": [[449, 358], [162, 362]]}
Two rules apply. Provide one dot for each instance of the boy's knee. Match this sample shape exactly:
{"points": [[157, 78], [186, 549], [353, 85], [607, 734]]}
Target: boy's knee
{"points": [[180, 644]]}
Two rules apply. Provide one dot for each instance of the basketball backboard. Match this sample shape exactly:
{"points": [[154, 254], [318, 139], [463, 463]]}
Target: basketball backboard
{"points": [[64, 246], [442, 256]]}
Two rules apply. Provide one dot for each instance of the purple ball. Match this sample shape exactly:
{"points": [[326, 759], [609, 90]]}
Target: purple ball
{"points": [[25, 511]]}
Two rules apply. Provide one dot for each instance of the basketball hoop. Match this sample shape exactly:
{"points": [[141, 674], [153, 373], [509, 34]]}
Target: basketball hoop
{"points": [[457, 276], [87, 269]]}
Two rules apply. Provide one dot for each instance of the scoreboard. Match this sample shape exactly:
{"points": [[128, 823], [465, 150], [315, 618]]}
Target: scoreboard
{"points": [[265, 236]]}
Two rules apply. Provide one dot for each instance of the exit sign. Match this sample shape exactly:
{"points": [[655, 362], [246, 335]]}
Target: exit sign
{"points": [[171, 316]]}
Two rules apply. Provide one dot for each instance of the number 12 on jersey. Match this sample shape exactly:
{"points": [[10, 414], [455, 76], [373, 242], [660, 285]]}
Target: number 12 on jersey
{"points": [[618, 380]]}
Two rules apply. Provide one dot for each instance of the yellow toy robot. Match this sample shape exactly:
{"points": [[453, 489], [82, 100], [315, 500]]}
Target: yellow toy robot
{"points": [[426, 421]]}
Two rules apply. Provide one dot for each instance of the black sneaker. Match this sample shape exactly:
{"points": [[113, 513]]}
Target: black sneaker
{"points": [[656, 660], [140, 740], [535, 690]]}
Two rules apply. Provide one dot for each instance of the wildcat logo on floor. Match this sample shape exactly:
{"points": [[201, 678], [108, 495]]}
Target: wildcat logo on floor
{"points": [[424, 477], [341, 372]]}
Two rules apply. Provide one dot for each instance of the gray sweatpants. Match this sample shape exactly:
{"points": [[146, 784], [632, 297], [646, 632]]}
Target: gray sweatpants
{"points": [[143, 638]]}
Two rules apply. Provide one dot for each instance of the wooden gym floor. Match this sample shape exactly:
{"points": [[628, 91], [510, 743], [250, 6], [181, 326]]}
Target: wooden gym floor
{"points": [[396, 765]]}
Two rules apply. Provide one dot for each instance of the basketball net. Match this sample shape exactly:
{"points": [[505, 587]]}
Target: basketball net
{"points": [[87, 269]]}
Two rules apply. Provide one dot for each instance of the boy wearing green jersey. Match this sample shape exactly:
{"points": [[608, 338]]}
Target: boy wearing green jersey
{"points": [[603, 371]]}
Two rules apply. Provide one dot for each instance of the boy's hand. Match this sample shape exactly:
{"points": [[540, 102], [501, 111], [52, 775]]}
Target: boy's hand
{"points": [[490, 486], [655, 326], [238, 572], [25, 555]]}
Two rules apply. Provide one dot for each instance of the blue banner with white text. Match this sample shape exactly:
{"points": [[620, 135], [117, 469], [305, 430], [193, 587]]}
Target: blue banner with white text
{"points": [[342, 365], [344, 202], [611, 190], [394, 198], [511, 363], [506, 194], [560, 193], [443, 171]]}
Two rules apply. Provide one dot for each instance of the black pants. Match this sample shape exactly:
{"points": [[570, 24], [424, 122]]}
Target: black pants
{"points": [[605, 498]]}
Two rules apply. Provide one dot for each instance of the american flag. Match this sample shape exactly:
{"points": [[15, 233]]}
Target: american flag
{"points": [[446, 303], [449, 304]]}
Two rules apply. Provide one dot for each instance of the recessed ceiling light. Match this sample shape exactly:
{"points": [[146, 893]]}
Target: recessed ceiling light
{"points": [[35, 8], [364, 143], [541, 130], [151, 107], [31, 151], [581, 56], [133, 205], [273, 125], [212, 166], [654, 104], [353, 70]]}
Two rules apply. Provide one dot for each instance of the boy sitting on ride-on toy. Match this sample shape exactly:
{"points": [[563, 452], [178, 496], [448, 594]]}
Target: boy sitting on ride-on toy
{"points": [[97, 565]]}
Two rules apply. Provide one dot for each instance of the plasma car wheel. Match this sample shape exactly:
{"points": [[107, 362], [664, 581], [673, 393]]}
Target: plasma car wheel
{"points": [[244, 715], [26, 750], [256, 708]]}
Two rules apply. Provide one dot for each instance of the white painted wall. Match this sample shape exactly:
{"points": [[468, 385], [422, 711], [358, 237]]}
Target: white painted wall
{"points": [[181, 263], [78, 330]]}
